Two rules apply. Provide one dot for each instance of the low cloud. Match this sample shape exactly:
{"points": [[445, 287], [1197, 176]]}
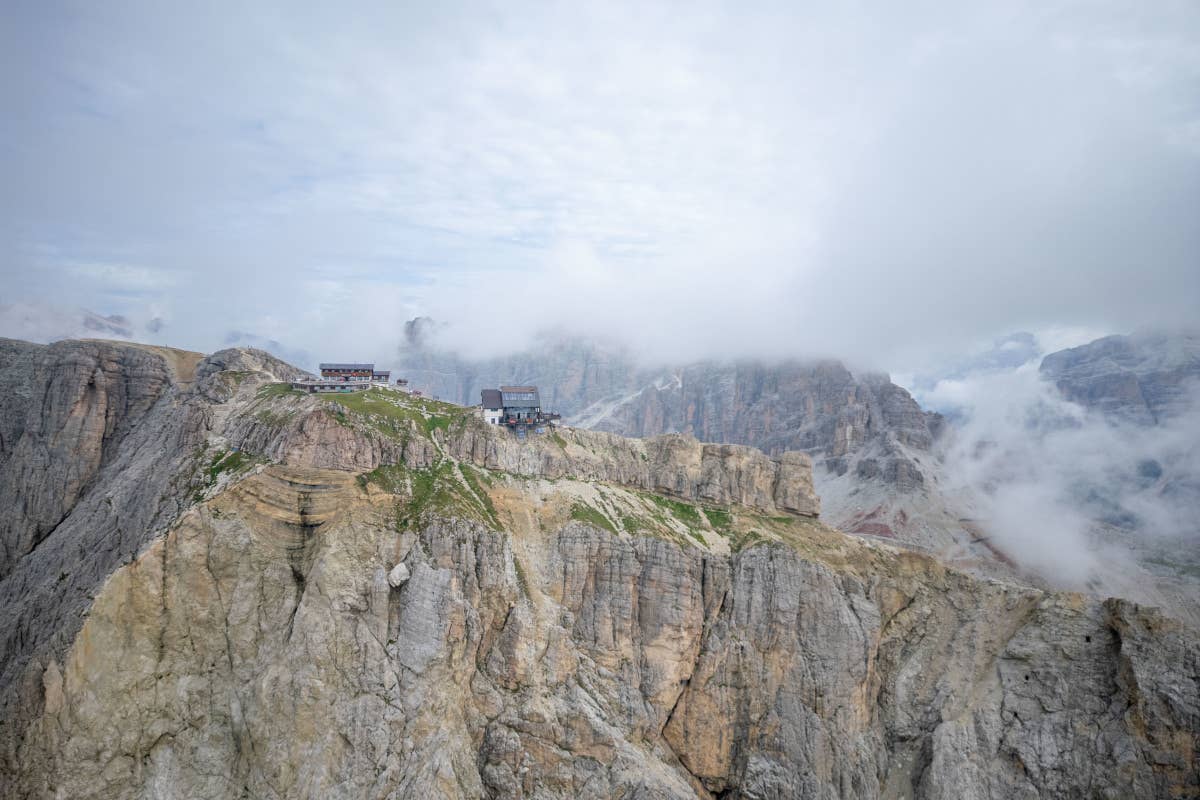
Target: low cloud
{"points": [[1066, 491]]}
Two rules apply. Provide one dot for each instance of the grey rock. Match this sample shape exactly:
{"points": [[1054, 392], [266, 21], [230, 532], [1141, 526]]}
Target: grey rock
{"points": [[229, 636], [623, 667], [398, 575], [818, 407], [1145, 378]]}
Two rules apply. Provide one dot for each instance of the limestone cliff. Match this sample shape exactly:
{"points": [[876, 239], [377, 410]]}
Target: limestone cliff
{"points": [[375, 596], [819, 407], [65, 412], [870, 440], [1145, 378]]}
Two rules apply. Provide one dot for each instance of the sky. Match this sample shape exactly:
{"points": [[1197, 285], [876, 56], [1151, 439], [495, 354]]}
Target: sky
{"points": [[874, 181]]}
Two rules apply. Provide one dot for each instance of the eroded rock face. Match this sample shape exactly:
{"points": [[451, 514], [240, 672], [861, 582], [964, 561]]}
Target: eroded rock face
{"points": [[313, 434], [66, 408], [99, 454], [673, 464], [1145, 378], [819, 407], [249, 635], [260, 651]]}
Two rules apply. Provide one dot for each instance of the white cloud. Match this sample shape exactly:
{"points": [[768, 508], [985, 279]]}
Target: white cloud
{"points": [[1044, 474], [120, 277], [703, 179]]}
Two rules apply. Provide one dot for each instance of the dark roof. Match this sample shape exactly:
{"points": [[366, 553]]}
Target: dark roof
{"points": [[363, 367], [520, 397], [384, 372], [491, 398]]}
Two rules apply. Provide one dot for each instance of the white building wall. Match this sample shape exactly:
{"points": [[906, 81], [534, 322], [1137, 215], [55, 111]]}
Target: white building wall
{"points": [[492, 415]]}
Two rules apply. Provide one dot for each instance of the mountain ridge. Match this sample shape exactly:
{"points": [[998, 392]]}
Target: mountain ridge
{"points": [[453, 613]]}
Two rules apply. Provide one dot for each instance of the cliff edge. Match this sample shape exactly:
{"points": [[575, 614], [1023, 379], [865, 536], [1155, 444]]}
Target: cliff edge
{"points": [[256, 593]]}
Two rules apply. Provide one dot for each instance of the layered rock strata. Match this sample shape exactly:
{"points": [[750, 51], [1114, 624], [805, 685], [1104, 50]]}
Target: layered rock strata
{"points": [[1145, 378], [259, 650], [577, 616]]}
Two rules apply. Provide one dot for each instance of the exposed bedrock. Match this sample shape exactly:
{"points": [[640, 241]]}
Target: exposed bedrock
{"points": [[259, 650], [226, 607]]}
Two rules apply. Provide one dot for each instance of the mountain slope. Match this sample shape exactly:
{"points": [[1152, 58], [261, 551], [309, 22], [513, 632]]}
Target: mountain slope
{"points": [[1144, 378], [382, 596], [1138, 473], [871, 442]]}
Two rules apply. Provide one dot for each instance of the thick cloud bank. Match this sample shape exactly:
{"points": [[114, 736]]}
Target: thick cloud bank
{"points": [[712, 179], [1069, 492]]}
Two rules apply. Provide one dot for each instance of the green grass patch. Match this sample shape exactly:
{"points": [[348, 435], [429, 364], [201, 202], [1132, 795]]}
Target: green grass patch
{"points": [[686, 513], [235, 461], [225, 461], [479, 481], [435, 491], [392, 478], [558, 440], [278, 390], [585, 513], [431, 406], [633, 524], [719, 518], [397, 414]]}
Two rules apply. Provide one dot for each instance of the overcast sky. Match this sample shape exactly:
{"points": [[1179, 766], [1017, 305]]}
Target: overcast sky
{"points": [[874, 181]]}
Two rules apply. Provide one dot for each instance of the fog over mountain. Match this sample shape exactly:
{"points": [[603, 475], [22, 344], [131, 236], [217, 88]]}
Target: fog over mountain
{"points": [[1081, 466], [1084, 462], [41, 323], [865, 459]]}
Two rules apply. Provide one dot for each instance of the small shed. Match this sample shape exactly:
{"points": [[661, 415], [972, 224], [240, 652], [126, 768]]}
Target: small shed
{"points": [[492, 406]]}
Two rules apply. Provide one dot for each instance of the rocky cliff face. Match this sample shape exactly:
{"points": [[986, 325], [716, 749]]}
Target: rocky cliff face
{"points": [[374, 596], [102, 443], [871, 442], [1144, 378], [818, 407], [65, 410]]}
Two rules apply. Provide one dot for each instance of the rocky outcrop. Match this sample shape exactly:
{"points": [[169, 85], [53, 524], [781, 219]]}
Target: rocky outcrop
{"points": [[676, 465], [65, 409], [314, 432], [1145, 378], [260, 651], [220, 375], [819, 407], [103, 448], [220, 614]]}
